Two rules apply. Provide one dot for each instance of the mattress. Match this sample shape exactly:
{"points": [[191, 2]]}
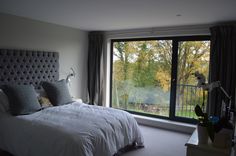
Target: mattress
{"points": [[75, 129]]}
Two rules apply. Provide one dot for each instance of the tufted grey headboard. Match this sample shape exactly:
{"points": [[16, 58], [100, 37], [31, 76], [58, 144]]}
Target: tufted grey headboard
{"points": [[28, 67]]}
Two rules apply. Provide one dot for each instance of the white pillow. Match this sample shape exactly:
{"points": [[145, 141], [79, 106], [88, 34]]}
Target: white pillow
{"points": [[4, 103]]}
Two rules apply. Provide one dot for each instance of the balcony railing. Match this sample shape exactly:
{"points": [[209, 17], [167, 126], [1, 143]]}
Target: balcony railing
{"points": [[187, 97]]}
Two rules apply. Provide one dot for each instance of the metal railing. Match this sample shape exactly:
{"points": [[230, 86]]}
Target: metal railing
{"points": [[187, 97]]}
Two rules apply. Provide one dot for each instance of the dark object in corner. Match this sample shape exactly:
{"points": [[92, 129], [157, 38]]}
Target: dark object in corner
{"points": [[128, 148], [4, 153]]}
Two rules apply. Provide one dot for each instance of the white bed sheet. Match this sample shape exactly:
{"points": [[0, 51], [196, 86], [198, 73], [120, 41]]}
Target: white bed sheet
{"points": [[75, 129]]}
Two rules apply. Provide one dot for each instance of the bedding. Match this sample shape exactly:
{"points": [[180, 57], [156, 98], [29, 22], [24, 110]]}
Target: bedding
{"points": [[57, 92], [44, 102], [75, 129], [22, 99]]}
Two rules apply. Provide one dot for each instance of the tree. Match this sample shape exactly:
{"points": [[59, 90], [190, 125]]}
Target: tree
{"points": [[145, 65], [163, 74], [193, 56], [148, 63], [123, 53]]}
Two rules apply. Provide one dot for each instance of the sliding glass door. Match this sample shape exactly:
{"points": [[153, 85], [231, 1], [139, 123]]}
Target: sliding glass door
{"points": [[141, 76], [193, 56], [144, 73]]}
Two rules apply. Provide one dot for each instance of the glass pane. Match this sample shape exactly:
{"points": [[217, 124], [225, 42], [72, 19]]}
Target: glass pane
{"points": [[192, 56], [141, 76]]}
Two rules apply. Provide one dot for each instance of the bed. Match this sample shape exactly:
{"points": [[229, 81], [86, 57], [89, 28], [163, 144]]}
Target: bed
{"points": [[69, 128]]}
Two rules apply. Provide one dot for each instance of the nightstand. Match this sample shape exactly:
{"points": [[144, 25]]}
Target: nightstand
{"points": [[195, 149]]}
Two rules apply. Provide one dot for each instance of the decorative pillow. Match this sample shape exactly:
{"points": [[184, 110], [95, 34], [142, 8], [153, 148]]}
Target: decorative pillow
{"points": [[22, 99], [57, 92], [4, 103], [44, 102], [41, 92]]}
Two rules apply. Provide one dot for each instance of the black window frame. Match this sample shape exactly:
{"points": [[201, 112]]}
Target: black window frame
{"points": [[175, 42]]}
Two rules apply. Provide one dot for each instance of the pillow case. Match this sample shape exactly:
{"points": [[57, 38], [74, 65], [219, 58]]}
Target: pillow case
{"points": [[22, 99], [43, 99], [57, 92], [44, 102], [4, 103]]}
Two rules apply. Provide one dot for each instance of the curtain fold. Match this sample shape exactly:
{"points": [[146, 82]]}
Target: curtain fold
{"points": [[222, 65], [95, 52]]}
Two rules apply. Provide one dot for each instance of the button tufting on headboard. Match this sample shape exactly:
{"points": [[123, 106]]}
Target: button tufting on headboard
{"points": [[28, 67]]}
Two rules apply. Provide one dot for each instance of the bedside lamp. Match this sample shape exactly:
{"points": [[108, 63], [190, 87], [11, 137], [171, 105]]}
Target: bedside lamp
{"points": [[223, 129], [70, 75], [209, 87]]}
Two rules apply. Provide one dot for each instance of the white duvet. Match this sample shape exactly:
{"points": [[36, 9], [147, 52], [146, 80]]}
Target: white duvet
{"points": [[75, 129]]}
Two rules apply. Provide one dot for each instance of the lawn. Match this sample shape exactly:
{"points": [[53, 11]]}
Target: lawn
{"points": [[187, 111]]}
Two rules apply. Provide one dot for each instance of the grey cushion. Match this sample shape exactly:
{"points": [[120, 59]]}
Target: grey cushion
{"points": [[4, 103], [57, 92], [22, 99]]}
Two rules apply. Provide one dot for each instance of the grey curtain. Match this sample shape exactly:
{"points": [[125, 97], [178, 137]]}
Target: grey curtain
{"points": [[95, 51], [222, 65]]}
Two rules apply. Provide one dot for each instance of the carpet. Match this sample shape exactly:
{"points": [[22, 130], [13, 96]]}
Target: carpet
{"points": [[161, 142]]}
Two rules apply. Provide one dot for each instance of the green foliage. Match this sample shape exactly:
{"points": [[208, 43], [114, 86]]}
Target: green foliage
{"points": [[193, 55], [149, 62], [142, 64]]}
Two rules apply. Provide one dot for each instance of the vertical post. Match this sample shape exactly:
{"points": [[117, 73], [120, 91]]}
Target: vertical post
{"points": [[173, 78]]}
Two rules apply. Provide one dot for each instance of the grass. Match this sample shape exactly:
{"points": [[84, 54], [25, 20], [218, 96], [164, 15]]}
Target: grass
{"points": [[187, 114], [186, 111], [162, 113]]}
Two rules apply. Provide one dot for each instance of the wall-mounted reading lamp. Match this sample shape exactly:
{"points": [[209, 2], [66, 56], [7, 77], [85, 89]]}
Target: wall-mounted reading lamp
{"points": [[70, 75]]}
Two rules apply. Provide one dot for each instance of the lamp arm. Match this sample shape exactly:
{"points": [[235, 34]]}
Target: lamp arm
{"points": [[73, 72], [228, 109], [211, 86], [217, 84], [70, 75], [226, 94]]}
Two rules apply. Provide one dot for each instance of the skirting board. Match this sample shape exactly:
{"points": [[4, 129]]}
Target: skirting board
{"points": [[165, 124]]}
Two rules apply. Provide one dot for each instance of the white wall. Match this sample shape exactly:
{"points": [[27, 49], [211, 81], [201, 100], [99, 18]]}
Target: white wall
{"points": [[22, 33]]}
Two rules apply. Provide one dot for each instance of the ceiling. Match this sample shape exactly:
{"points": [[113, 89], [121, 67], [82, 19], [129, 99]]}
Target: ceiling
{"points": [[122, 14]]}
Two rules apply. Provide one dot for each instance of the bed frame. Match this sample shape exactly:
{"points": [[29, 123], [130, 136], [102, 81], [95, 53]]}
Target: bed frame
{"points": [[28, 67], [32, 67]]}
